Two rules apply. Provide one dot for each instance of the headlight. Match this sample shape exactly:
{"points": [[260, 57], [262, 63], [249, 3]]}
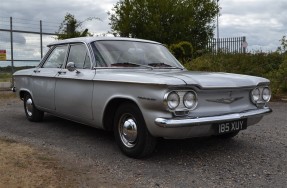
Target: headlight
{"points": [[260, 96], [266, 94], [172, 100], [190, 100], [255, 94]]}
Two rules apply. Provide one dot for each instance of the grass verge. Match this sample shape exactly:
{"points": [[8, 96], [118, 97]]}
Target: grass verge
{"points": [[23, 166], [7, 95], [5, 77]]}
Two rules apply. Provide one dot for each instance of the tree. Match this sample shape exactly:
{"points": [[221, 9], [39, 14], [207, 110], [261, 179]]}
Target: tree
{"points": [[166, 21], [71, 27], [283, 47]]}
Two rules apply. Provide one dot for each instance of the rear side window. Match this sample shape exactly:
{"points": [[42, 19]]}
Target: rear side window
{"points": [[79, 55], [56, 58]]}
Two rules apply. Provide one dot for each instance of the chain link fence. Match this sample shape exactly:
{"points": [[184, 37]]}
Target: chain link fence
{"points": [[24, 41], [22, 44]]}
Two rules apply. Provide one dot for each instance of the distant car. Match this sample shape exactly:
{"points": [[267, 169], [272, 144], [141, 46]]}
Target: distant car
{"points": [[140, 91]]}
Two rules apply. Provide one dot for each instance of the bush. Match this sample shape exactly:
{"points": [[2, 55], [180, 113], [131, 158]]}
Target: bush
{"points": [[279, 78], [177, 51], [183, 51]]}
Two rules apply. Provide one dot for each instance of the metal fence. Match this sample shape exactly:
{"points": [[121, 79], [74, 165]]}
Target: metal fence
{"points": [[24, 41], [227, 45]]}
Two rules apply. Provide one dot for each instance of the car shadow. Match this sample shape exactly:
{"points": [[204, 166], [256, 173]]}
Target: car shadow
{"points": [[193, 147]]}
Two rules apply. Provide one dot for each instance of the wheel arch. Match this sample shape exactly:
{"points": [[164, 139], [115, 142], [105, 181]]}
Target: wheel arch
{"points": [[110, 111], [23, 92]]}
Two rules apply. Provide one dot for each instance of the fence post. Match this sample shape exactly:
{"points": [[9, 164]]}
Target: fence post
{"points": [[41, 39], [11, 39]]}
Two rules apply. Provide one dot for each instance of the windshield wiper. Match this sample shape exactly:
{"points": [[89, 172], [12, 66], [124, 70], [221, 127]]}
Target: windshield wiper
{"points": [[163, 65], [130, 64]]}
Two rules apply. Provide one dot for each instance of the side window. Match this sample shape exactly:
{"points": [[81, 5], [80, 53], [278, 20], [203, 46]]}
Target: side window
{"points": [[87, 64], [79, 55], [56, 58]]}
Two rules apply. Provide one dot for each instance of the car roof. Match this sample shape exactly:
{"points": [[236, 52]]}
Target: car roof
{"points": [[92, 39]]}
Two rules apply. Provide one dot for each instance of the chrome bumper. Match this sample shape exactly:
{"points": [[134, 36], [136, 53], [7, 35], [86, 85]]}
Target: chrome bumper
{"points": [[173, 123]]}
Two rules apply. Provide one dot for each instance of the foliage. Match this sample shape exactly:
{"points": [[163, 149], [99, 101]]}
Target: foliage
{"points": [[279, 77], [283, 47], [5, 77], [71, 27], [165, 21], [177, 50], [269, 65], [8, 69], [182, 51]]}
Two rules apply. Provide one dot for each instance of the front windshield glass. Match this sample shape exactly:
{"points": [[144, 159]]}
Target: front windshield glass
{"points": [[134, 54]]}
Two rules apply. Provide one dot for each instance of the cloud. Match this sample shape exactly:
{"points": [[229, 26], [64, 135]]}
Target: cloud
{"points": [[52, 12], [17, 38], [263, 22]]}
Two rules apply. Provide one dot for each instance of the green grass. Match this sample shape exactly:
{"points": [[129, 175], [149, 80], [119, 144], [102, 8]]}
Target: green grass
{"points": [[5, 77]]}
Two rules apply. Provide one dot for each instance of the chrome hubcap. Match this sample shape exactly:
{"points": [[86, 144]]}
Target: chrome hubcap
{"points": [[128, 130], [29, 107]]}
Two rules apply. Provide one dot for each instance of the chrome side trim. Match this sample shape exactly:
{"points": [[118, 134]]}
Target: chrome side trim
{"points": [[176, 122]]}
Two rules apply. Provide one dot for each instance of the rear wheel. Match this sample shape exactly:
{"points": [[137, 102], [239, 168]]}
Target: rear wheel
{"points": [[32, 113], [131, 133]]}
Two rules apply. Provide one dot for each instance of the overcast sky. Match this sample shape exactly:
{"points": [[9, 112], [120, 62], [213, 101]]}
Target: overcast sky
{"points": [[263, 22]]}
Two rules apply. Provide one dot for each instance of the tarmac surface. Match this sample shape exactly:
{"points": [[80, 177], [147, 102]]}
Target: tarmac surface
{"points": [[257, 157]]}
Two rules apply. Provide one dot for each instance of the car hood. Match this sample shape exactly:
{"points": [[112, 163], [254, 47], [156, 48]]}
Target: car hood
{"points": [[216, 80], [172, 77]]}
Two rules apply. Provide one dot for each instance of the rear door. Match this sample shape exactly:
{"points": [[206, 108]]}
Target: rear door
{"points": [[44, 78]]}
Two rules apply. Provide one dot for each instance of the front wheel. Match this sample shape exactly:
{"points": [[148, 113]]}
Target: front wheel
{"points": [[32, 113], [131, 133]]}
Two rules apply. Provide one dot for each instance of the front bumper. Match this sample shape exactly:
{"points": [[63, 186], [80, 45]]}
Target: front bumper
{"points": [[190, 122]]}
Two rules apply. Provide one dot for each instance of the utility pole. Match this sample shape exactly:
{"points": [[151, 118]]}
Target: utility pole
{"points": [[217, 27]]}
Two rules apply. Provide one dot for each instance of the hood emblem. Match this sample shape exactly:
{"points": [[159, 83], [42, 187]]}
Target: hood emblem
{"points": [[225, 100]]}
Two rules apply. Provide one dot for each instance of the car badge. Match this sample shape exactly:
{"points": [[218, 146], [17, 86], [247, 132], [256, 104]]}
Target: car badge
{"points": [[225, 100]]}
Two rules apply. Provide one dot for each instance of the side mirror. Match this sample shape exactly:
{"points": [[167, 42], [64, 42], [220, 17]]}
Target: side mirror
{"points": [[71, 66]]}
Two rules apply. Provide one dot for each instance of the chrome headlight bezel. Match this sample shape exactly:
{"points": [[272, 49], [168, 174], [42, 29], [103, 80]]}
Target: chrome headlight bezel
{"points": [[260, 96], [255, 95], [182, 107], [188, 96], [172, 97], [266, 96]]}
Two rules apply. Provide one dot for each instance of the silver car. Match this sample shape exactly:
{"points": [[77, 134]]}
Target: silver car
{"points": [[140, 91]]}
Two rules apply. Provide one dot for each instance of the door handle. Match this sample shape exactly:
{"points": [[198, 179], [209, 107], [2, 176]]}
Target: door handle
{"points": [[62, 72], [36, 71]]}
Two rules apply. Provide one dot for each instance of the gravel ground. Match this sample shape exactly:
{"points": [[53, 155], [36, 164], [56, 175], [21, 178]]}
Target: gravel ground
{"points": [[257, 157]]}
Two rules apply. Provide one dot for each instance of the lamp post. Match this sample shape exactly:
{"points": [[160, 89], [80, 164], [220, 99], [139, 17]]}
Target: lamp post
{"points": [[217, 27]]}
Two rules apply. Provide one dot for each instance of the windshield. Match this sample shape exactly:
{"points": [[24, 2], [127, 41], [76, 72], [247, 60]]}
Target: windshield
{"points": [[134, 54]]}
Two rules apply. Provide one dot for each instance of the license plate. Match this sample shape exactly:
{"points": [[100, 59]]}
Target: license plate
{"points": [[231, 126]]}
